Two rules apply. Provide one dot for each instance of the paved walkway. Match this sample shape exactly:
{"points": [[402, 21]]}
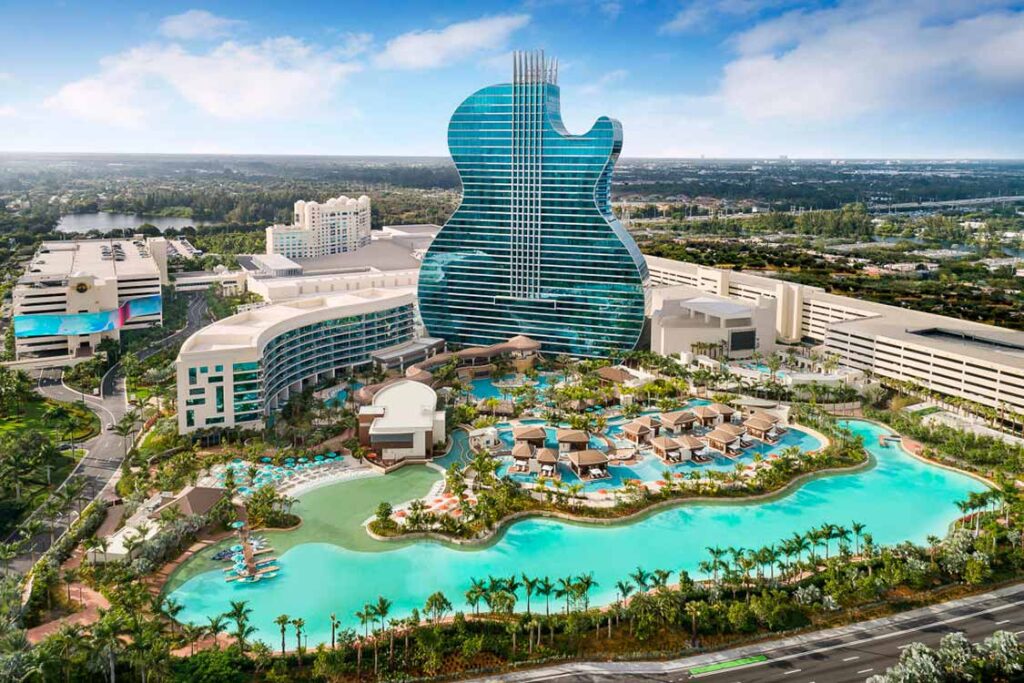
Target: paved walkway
{"points": [[99, 468]]}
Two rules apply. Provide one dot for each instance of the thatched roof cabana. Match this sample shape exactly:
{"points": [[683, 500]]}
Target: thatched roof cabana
{"points": [[677, 420], [530, 433], [522, 451]]}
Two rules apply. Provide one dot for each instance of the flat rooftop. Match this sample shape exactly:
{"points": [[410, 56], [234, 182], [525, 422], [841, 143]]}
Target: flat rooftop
{"points": [[381, 254], [244, 330], [407, 405], [102, 258], [981, 343]]}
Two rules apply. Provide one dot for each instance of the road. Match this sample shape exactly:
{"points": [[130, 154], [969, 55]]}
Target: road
{"points": [[105, 451], [976, 201], [851, 653]]}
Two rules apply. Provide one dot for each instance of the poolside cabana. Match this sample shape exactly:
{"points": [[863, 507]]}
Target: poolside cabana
{"points": [[765, 415], [706, 416], [666, 448], [589, 464], [533, 435], [650, 421], [689, 446], [522, 453], [547, 458], [722, 441], [677, 421], [735, 430], [571, 440], [614, 375], [636, 432], [725, 411], [776, 421], [761, 429]]}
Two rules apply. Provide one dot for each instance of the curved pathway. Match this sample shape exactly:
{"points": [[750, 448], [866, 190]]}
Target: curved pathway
{"points": [[105, 451]]}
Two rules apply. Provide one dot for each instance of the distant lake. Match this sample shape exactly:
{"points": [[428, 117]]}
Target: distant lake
{"points": [[104, 222]]}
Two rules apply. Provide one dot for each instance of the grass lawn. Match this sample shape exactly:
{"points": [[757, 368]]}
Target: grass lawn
{"points": [[36, 489], [85, 426]]}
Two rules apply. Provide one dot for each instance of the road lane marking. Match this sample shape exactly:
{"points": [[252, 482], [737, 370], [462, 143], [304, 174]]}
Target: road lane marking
{"points": [[903, 647], [1004, 621], [850, 659], [880, 636], [864, 671], [792, 671]]}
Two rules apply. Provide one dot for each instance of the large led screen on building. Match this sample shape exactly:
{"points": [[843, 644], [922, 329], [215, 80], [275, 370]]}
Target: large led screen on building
{"points": [[69, 324]]}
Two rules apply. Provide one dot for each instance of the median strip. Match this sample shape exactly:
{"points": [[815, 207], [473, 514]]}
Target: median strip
{"points": [[731, 664]]}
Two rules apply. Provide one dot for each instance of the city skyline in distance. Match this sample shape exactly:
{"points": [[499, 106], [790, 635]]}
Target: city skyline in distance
{"points": [[711, 78]]}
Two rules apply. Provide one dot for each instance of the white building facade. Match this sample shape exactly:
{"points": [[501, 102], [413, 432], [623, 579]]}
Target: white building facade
{"points": [[337, 226], [76, 293], [403, 422], [237, 371], [686, 320], [958, 358]]}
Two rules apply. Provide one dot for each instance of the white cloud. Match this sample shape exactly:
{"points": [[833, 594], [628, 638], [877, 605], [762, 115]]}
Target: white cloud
{"points": [[611, 78], [698, 14], [355, 44], [198, 24], [276, 78], [431, 49], [7, 111], [862, 57]]}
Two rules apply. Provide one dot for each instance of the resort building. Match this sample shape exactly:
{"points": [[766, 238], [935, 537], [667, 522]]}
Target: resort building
{"points": [[77, 293], [534, 249], [337, 226], [403, 423], [237, 371], [686, 320], [958, 358]]}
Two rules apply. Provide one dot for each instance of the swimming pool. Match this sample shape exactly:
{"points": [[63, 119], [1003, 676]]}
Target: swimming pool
{"points": [[900, 498], [484, 387], [651, 468]]}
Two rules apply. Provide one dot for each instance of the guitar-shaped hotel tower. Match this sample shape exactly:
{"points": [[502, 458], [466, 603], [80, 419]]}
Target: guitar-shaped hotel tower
{"points": [[534, 247]]}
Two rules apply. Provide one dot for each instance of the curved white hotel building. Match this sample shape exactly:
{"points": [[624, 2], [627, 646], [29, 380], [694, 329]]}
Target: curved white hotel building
{"points": [[234, 372], [337, 226]]}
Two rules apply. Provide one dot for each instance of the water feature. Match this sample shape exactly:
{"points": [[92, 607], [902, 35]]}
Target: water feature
{"points": [[103, 221], [336, 570], [485, 387]]}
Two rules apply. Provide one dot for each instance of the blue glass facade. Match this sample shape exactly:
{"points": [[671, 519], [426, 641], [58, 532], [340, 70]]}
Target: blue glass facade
{"points": [[533, 248]]}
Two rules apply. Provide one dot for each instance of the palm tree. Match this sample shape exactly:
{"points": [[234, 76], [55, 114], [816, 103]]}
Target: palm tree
{"points": [[585, 583], [694, 610], [106, 641], [858, 529], [529, 586], [381, 611], [545, 588], [193, 632], [239, 613], [334, 628], [475, 593], [283, 620], [565, 590], [299, 624], [215, 626], [641, 578]]}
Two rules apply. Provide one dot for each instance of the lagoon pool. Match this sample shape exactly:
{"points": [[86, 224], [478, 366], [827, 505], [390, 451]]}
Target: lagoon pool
{"points": [[899, 498], [483, 387], [651, 468]]}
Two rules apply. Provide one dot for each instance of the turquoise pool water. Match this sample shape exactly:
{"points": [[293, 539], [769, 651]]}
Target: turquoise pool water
{"points": [[338, 400], [483, 387], [899, 499], [650, 467]]}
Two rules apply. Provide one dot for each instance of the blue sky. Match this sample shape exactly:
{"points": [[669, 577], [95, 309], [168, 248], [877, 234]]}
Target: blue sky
{"points": [[720, 78]]}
